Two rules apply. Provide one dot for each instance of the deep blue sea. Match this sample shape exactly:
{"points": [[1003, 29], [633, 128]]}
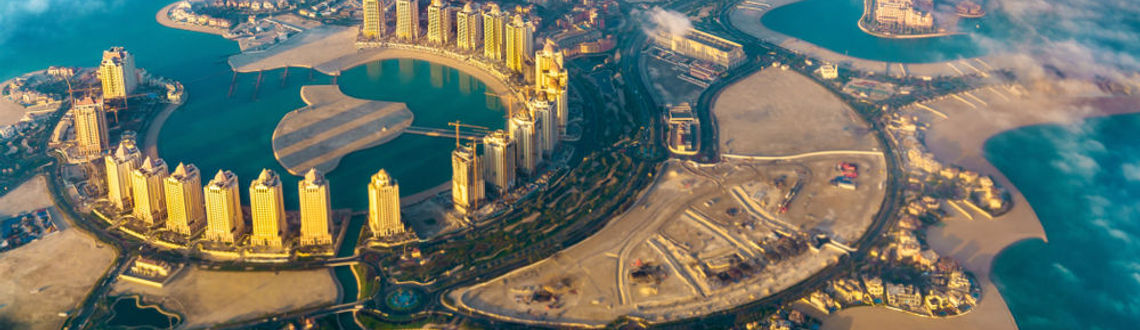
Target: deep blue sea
{"points": [[1083, 181]]}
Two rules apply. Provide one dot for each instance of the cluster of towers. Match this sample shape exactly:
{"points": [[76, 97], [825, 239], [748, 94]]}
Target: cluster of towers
{"points": [[532, 135], [178, 201], [503, 37], [118, 77]]}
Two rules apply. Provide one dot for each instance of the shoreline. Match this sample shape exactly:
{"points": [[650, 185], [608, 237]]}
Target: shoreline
{"points": [[960, 140], [749, 21], [163, 18]]}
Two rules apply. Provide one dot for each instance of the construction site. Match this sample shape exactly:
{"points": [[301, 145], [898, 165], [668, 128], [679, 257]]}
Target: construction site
{"points": [[704, 238]]}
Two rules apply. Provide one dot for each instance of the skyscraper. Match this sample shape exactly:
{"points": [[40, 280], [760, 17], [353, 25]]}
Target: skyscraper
{"points": [[224, 220], [546, 124], [499, 160], [469, 27], [119, 167], [185, 205], [550, 77], [440, 23], [90, 127], [117, 73], [466, 179], [524, 132], [407, 19], [519, 42], [494, 26], [316, 211], [148, 194], [375, 23], [384, 206], [267, 208]]}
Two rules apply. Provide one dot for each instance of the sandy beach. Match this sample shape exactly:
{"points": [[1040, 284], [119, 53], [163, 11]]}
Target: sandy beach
{"points": [[748, 20], [960, 140], [51, 275], [163, 18]]}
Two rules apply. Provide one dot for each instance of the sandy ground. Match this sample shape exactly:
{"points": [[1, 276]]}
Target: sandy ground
{"points": [[748, 20], [332, 126], [675, 224], [210, 297], [30, 195], [50, 275], [10, 112], [959, 139], [777, 113]]}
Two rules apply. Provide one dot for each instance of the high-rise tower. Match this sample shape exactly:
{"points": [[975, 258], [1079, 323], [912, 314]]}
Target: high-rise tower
{"points": [[469, 28], [267, 209], [440, 23], [147, 191], [117, 73], [524, 133], [467, 186], [519, 42], [546, 124], [375, 22], [494, 28], [407, 19], [499, 160], [119, 167], [316, 210], [224, 220], [90, 127], [185, 205], [384, 206]]}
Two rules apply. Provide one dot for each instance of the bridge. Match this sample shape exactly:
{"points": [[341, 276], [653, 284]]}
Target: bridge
{"points": [[443, 132]]}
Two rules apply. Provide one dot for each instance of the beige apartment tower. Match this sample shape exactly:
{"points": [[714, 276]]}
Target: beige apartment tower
{"points": [[467, 186], [468, 28], [519, 43], [185, 205], [375, 23], [524, 133], [494, 28], [90, 127], [407, 19], [119, 166], [267, 210], [546, 125], [499, 160], [548, 63], [316, 209], [224, 220], [147, 191], [117, 73], [440, 23], [384, 206]]}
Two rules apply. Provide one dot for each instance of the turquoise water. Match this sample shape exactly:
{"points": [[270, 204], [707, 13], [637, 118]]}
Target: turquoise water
{"points": [[216, 132], [1084, 183], [832, 25]]}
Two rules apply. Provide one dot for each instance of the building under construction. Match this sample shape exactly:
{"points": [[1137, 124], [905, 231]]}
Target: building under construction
{"points": [[702, 46]]}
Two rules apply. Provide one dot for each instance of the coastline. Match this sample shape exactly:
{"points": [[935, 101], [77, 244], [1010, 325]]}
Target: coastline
{"points": [[163, 18], [749, 21], [960, 140]]}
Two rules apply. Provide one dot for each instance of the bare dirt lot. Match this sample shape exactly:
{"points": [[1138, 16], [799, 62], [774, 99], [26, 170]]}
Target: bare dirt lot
{"points": [[778, 113], [207, 297]]}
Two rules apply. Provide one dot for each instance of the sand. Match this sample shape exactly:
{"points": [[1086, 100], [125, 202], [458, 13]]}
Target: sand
{"points": [[778, 113], [51, 275], [959, 140], [748, 21], [334, 125], [206, 297], [10, 112]]}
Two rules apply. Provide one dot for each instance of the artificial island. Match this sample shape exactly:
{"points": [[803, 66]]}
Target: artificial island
{"points": [[655, 166]]}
